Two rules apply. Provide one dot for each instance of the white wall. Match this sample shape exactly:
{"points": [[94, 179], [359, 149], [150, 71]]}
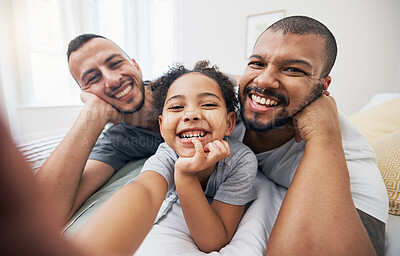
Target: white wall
{"points": [[366, 31]]}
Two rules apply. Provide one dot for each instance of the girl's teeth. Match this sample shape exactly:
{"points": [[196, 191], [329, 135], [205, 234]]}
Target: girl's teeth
{"points": [[193, 135]]}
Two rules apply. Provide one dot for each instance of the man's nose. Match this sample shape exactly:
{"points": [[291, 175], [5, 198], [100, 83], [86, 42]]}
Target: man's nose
{"points": [[267, 78], [111, 79]]}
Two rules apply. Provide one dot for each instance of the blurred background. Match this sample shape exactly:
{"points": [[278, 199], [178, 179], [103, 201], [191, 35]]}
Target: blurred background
{"points": [[39, 98]]}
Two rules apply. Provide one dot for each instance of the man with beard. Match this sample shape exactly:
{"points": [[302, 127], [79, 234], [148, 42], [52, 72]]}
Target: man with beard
{"points": [[305, 147], [113, 91]]}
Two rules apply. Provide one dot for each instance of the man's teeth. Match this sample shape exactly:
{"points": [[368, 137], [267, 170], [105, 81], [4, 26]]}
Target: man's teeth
{"points": [[124, 92], [263, 101], [189, 135]]}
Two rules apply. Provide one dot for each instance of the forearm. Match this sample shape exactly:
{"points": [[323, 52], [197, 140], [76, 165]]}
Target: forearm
{"points": [[318, 215], [122, 223], [205, 226], [60, 175], [27, 225]]}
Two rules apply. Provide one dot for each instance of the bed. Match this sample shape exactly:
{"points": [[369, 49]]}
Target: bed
{"points": [[170, 236], [379, 120]]}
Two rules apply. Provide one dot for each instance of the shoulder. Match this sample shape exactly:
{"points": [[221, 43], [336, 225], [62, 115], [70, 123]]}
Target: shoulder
{"points": [[238, 148], [126, 132], [238, 131], [371, 196], [163, 159], [241, 156], [166, 151], [352, 137]]}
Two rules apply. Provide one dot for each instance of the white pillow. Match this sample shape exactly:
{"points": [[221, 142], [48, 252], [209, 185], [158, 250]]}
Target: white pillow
{"points": [[379, 98]]}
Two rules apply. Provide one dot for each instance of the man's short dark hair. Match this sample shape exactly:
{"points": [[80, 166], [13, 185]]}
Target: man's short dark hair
{"points": [[303, 25], [80, 40], [161, 85]]}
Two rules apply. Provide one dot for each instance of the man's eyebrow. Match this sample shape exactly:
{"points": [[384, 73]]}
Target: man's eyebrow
{"points": [[297, 61], [286, 62], [256, 56], [112, 56]]}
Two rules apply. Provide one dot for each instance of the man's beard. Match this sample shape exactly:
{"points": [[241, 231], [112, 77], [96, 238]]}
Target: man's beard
{"points": [[138, 106], [282, 117]]}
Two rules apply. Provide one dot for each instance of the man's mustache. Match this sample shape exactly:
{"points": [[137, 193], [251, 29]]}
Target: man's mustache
{"points": [[282, 99]]}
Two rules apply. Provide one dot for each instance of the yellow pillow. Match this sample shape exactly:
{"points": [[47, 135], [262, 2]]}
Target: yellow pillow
{"points": [[378, 121], [387, 151]]}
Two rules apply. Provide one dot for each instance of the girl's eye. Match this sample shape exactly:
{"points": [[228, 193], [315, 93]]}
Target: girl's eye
{"points": [[175, 107], [210, 104]]}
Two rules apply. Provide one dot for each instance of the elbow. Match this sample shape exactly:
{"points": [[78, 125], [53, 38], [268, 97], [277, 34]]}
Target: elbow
{"points": [[210, 248], [212, 245]]}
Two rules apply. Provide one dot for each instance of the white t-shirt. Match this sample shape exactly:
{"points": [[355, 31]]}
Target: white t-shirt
{"points": [[367, 187]]}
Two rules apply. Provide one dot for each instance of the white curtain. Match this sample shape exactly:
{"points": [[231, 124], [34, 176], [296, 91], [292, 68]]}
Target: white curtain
{"points": [[135, 25], [9, 71]]}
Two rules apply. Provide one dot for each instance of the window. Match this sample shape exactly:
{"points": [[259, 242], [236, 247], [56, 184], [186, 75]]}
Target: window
{"points": [[51, 82], [162, 35], [143, 28]]}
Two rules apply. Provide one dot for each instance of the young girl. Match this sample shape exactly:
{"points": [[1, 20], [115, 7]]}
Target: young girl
{"points": [[197, 161]]}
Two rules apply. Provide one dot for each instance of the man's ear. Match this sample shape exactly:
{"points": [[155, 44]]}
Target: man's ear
{"points": [[326, 81], [230, 123], [136, 65]]}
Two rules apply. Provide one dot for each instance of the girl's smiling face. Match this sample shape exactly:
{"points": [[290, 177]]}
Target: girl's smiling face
{"points": [[194, 108]]}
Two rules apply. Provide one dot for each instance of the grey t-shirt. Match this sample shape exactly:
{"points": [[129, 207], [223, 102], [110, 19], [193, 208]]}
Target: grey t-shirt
{"points": [[122, 143], [231, 182]]}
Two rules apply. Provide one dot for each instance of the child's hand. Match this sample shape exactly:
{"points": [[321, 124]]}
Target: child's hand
{"points": [[203, 158]]}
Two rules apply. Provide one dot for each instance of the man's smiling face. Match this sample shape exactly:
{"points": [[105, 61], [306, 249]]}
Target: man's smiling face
{"points": [[102, 68], [281, 78]]}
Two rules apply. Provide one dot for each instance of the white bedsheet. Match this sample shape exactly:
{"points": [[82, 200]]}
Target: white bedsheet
{"points": [[171, 235]]}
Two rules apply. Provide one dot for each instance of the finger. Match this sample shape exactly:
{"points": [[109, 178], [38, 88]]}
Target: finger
{"points": [[217, 151], [207, 147], [226, 145], [198, 147], [223, 147]]}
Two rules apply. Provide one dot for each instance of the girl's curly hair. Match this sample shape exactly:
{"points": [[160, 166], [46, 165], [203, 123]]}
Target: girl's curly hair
{"points": [[161, 85]]}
